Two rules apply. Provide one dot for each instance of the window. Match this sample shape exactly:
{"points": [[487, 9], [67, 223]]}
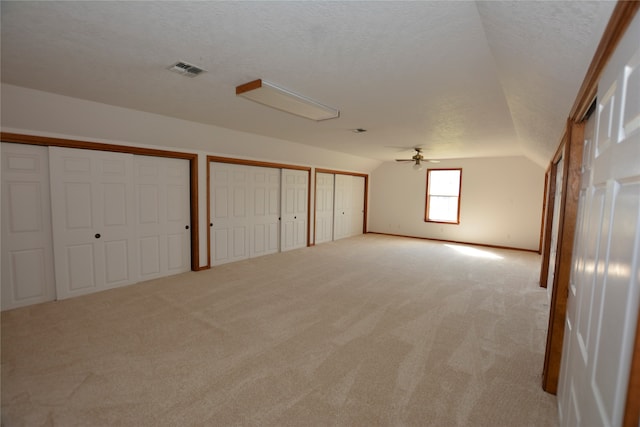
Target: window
{"points": [[443, 195]]}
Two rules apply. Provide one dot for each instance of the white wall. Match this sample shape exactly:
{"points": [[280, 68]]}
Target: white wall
{"points": [[501, 202], [33, 112], [27, 110]]}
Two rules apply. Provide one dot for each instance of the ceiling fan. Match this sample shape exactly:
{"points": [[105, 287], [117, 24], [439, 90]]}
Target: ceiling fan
{"points": [[418, 159]]}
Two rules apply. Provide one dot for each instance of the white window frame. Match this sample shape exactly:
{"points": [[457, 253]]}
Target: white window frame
{"points": [[429, 204]]}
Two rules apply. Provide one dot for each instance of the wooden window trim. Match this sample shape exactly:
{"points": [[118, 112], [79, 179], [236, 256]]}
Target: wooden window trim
{"points": [[426, 206]]}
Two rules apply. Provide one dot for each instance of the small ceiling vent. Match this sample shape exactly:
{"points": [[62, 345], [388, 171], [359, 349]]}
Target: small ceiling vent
{"points": [[186, 69]]}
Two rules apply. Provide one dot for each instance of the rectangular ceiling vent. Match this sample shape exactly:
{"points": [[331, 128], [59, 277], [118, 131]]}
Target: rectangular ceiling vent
{"points": [[186, 69]]}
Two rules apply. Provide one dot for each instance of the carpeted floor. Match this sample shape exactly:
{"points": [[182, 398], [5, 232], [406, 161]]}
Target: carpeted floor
{"points": [[368, 331]]}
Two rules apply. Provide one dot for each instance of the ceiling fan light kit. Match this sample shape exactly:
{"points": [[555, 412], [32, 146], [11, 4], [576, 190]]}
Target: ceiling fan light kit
{"points": [[418, 159], [274, 96]]}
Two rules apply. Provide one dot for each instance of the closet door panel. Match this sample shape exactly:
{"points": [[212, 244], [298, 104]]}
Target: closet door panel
{"points": [[324, 207], [341, 216], [93, 218], [80, 267], [163, 216], [357, 205], [231, 228], [27, 244], [294, 209], [265, 191]]}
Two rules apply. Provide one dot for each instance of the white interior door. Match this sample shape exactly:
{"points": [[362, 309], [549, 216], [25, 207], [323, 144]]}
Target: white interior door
{"points": [[265, 208], [162, 216], [342, 207], [349, 206], [324, 207], [27, 243], [294, 209], [92, 196], [357, 205], [230, 229], [604, 290]]}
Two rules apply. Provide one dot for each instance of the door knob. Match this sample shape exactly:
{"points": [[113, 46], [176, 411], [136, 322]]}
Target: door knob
{"points": [[186, 227]]}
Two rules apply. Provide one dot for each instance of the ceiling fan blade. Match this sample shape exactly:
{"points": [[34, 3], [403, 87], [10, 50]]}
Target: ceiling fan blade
{"points": [[431, 160], [405, 160]]}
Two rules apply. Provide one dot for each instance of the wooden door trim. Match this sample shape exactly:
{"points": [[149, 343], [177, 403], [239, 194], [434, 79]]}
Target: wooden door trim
{"points": [[259, 163], [551, 201], [545, 204], [88, 145], [548, 222], [632, 406], [572, 164]]}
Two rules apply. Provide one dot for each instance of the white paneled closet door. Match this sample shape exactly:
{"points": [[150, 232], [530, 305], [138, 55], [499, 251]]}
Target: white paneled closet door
{"points": [[604, 297], [357, 205], [342, 207], [162, 223], [324, 207], [92, 197], [349, 206], [27, 243], [294, 209], [265, 207], [231, 228]]}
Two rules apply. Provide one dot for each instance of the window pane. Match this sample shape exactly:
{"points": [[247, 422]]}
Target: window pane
{"points": [[442, 208], [444, 182]]}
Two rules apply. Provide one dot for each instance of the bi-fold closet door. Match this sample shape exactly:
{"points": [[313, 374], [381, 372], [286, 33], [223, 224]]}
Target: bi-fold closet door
{"points": [[256, 211], [27, 245], [348, 217], [110, 220], [339, 206], [117, 218], [324, 207]]}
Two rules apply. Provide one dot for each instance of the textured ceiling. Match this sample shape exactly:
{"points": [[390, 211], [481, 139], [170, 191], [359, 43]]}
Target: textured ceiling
{"points": [[461, 79]]}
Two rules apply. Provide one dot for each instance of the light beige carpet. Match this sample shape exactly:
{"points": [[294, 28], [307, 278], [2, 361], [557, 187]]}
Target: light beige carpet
{"points": [[367, 331]]}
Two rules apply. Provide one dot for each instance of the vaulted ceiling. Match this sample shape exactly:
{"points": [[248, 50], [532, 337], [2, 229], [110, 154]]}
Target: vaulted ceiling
{"points": [[460, 78]]}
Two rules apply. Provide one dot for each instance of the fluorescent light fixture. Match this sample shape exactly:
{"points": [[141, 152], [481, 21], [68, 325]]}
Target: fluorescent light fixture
{"points": [[281, 99]]}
